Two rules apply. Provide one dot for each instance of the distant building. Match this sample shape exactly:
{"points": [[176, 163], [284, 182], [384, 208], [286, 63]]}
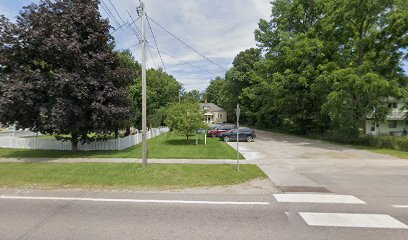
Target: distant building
{"points": [[213, 113], [394, 124]]}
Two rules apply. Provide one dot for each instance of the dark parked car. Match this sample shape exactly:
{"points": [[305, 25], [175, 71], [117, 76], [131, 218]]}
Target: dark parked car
{"points": [[244, 134], [220, 129]]}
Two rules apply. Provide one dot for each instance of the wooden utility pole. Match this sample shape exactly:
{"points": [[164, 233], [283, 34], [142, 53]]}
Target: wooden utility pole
{"points": [[144, 100], [238, 112]]}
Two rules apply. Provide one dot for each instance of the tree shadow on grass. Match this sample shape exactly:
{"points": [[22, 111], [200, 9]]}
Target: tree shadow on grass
{"points": [[180, 142]]}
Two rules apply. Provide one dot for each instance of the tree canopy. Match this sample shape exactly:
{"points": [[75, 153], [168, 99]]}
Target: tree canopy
{"points": [[184, 118], [321, 66], [59, 73]]}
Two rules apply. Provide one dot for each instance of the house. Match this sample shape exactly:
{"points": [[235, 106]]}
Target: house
{"points": [[213, 113], [394, 124]]}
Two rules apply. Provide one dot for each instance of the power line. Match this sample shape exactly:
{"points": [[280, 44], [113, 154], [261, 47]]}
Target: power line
{"points": [[155, 65], [108, 11], [172, 56], [120, 27], [134, 24], [155, 42], [202, 55], [137, 35], [114, 8]]}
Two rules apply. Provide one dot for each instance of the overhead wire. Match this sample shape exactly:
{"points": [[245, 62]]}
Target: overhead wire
{"points": [[108, 11], [120, 27], [114, 8], [137, 32], [155, 42], [187, 45], [185, 62]]}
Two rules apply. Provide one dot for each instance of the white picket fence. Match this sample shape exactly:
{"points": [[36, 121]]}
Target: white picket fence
{"points": [[53, 144]]}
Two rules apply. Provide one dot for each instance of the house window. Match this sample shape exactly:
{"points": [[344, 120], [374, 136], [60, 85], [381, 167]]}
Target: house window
{"points": [[372, 127], [392, 124], [392, 105], [220, 115], [206, 107]]}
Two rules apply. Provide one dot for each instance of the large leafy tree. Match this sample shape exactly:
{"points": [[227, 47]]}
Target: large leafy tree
{"points": [[61, 74], [217, 91], [162, 90], [184, 118], [330, 63], [293, 55], [240, 79], [194, 96]]}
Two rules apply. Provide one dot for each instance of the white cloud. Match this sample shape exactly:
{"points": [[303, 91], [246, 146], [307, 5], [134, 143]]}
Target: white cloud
{"points": [[218, 29]]}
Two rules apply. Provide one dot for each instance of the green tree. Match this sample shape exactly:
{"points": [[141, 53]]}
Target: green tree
{"points": [[217, 92], [194, 96], [320, 55], [184, 118], [240, 79], [162, 90], [62, 75]]}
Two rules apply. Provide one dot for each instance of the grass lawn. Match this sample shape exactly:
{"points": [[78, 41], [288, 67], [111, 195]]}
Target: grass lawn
{"points": [[391, 152], [123, 175], [168, 145]]}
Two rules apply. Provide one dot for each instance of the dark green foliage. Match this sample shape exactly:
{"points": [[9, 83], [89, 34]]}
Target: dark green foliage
{"points": [[62, 75], [193, 96], [217, 92], [326, 66], [380, 142], [162, 90]]}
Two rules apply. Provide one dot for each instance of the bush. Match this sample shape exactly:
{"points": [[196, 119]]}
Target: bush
{"points": [[388, 142]]}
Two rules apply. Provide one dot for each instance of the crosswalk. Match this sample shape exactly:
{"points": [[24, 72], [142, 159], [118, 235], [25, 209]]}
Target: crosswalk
{"points": [[336, 218]]}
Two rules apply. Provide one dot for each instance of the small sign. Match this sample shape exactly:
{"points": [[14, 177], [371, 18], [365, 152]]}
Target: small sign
{"points": [[238, 112]]}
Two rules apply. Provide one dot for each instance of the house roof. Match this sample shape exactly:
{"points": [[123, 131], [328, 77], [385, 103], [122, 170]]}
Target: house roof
{"points": [[211, 107]]}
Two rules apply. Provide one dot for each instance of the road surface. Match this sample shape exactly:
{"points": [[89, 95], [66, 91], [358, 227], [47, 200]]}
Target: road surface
{"points": [[322, 191]]}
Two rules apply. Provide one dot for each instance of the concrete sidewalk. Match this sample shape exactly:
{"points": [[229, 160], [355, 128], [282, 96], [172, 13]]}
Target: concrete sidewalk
{"points": [[122, 160]]}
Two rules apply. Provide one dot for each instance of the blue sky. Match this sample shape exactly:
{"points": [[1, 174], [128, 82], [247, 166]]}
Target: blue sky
{"points": [[219, 29]]}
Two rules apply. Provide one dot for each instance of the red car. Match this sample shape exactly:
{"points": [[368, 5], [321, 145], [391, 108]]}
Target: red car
{"points": [[216, 132]]}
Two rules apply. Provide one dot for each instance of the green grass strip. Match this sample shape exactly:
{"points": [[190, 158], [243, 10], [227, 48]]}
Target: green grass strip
{"points": [[123, 175], [168, 145]]}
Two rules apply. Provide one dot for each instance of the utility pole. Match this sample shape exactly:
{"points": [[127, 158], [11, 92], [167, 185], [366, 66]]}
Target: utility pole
{"points": [[238, 112], [144, 100]]}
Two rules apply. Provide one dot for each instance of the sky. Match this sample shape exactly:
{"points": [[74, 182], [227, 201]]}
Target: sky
{"points": [[219, 29]]}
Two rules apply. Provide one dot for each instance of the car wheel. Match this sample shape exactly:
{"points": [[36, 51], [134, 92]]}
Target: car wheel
{"points": [[226, 139], [213, 135], [249, 139]]}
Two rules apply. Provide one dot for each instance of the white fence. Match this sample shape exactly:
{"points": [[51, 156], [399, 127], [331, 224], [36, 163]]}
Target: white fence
{"points": [[53, 144]]}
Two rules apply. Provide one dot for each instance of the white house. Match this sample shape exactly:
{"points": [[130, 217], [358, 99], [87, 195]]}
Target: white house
{"points": [[394, 124]]}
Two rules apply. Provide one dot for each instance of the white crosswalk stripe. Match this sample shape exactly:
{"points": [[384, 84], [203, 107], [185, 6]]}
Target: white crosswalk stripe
{"points": [[317, 198], [351, 220], [400, 206]]}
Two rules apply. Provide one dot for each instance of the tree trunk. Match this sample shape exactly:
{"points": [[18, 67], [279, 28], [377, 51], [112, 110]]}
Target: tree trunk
{"points": [[127, 132], [116, 133], [74, 142]]}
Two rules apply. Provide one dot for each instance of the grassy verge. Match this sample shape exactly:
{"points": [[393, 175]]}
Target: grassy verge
{"points": [[168, 145], [123, 175], [391, 152]]}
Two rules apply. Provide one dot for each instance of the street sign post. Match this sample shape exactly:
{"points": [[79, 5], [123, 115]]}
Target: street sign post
{"points": [[238, 111]]}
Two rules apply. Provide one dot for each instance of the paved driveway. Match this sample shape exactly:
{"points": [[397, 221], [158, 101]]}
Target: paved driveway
{"points": [[299, 164]]}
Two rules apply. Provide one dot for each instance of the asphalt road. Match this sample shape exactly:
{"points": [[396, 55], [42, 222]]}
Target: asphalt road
{"points": [[99, 215], [323, 191]]}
